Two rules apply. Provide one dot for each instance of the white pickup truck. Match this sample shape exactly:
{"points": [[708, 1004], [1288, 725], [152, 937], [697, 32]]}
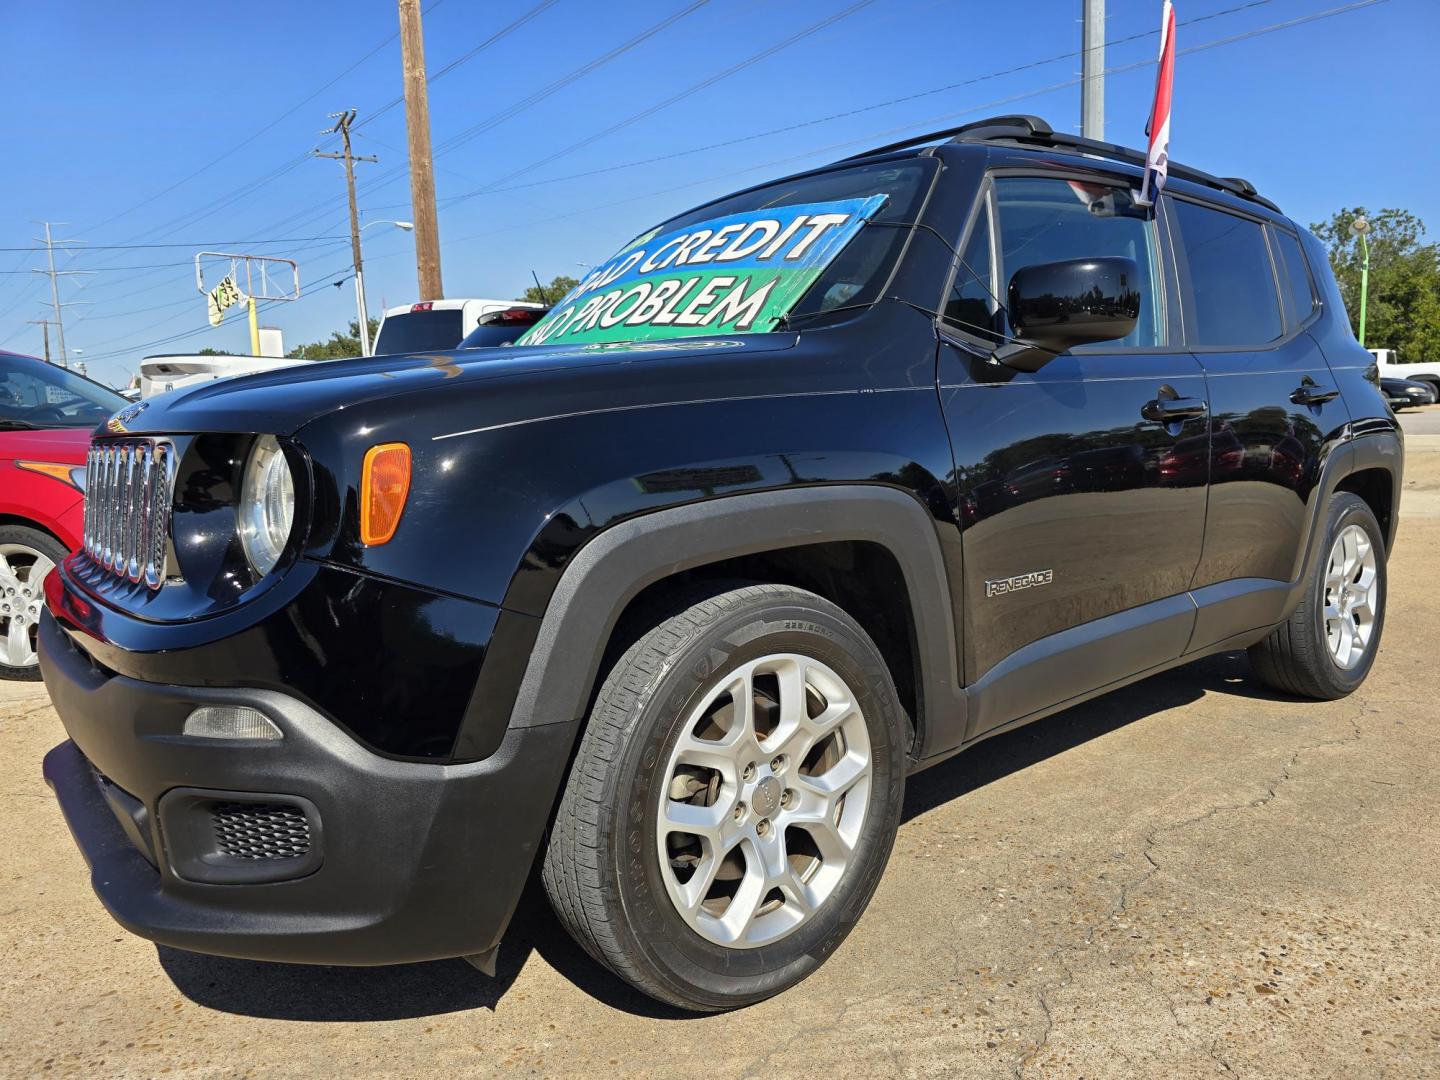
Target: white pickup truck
{"points": [[1425, 371]]}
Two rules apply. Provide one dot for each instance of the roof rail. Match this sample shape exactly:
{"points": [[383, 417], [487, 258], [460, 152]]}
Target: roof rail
{"points": [[1026, 130], [994, 127]]}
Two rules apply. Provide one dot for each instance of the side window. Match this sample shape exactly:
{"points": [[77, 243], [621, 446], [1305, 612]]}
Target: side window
{"points": [[1232, 287], [973, 305], [1042, 220], [1295, 289]]}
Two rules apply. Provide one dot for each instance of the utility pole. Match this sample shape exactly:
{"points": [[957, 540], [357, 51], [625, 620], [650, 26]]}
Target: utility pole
{"points": [[54, 276], [1092, 69], [343, 120], [422, 167], [44, 325]]}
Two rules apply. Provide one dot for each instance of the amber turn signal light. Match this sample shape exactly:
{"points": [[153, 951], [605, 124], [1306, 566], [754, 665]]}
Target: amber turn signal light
{"points": [[66, 474], [384, 486]]}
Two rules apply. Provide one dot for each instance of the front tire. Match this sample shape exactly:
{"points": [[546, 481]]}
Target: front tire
{"points": [[734, 799], [1327, 646], [27, 556]]}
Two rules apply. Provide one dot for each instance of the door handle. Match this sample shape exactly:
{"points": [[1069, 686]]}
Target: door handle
{"points": [[1309, 392], [1168, 407]]}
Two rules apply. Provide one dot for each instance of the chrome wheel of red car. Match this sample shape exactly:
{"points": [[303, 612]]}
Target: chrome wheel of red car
{"points": [[24, 565]]}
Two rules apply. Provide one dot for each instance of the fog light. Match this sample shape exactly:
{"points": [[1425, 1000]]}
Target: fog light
{"points": [[230, 722]]}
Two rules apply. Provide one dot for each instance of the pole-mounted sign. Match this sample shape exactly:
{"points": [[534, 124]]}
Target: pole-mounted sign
{"points": [[247, 279], [1157, 157]]}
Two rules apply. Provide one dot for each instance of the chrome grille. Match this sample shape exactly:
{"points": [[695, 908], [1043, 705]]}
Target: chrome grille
{"points": [[129, 485]]}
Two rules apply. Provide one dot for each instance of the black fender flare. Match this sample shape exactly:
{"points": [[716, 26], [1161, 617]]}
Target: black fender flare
{"points": [[612, 569], [1365, 444]]}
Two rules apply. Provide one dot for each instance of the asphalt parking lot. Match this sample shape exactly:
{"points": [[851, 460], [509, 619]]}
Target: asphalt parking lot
{"points": [[1190, 877]]}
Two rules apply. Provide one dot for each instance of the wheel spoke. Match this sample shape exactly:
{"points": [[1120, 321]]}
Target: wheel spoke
{"points": [[835, 847], [35, 579], [796, 892], [841, 776], [18, 651], [698, 887], [708, 755], [702, 821], [746, 901], [1351, 556]]}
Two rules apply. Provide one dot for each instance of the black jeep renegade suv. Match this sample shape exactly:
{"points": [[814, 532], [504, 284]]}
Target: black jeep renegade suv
{"points": [[671, 597]]}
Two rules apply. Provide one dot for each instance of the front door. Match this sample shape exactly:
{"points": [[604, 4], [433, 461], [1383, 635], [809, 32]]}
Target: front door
{"points": [[1080, 486]]}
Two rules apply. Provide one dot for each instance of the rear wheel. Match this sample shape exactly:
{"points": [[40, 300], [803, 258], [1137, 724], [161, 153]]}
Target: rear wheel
{"points": [[734, 799], [26, 557], [1325, 649]]}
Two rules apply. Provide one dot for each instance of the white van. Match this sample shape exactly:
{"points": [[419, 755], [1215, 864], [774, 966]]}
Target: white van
{"points": [[436, 324], [159, 374]]}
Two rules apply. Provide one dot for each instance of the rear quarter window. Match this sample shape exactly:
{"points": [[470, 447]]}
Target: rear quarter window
{"points": [[1295, 288]]}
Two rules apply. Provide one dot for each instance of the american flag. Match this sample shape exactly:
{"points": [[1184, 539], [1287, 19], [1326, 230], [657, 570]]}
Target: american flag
{"points": [[1157, 158]]}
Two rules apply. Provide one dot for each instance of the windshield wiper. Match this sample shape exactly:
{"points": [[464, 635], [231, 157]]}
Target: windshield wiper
{"points": [[18, 425]]}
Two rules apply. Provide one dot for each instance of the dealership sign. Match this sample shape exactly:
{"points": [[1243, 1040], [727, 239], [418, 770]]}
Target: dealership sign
{"points": [[731, 274]]}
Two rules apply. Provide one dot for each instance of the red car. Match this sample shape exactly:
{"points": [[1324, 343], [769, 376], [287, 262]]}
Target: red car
{"points": [[46, 416]]}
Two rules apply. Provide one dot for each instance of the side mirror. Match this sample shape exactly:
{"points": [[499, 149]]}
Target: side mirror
{"points": [[1056, 306]]}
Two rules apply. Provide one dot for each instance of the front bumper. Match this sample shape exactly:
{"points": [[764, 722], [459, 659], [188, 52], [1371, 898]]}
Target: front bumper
{"points": [[408, 861]]}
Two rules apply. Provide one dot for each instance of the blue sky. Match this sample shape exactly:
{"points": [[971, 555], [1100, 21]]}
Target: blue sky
{"points": [[115, 116]]}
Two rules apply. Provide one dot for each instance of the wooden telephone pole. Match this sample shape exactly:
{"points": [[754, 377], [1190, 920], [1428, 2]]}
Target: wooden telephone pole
{"points": [[343, 121], [44, 325], [422, 168]]}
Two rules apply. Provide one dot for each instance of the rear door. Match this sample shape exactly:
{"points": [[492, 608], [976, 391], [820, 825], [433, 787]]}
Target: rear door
{"points": [[1080, 486], [1273, 401]]}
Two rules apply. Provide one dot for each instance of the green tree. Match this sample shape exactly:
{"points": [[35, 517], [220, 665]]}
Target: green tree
{"points": [[338, 347], [208, 351], [552, 293], [1403, 311]]}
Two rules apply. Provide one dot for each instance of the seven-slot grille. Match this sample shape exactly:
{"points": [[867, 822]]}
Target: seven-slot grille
{"points": [[129, 485]]}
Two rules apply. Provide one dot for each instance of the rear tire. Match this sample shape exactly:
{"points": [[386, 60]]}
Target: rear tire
{"points": [[26, 557], [794, 799], [1327, 646]]}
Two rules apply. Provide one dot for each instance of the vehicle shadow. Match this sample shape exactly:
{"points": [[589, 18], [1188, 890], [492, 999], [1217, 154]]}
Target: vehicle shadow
{"points": [[407, 991]]}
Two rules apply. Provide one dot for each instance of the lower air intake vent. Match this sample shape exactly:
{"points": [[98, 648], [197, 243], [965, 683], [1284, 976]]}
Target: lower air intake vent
{"points": [[261, 830]]}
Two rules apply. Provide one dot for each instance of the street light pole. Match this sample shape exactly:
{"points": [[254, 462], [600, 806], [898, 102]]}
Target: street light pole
{"points": [[366, 346], [1361, 228]]}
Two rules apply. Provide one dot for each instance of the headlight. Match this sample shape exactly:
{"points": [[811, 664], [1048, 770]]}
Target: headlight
{"points": [[267, 505]]}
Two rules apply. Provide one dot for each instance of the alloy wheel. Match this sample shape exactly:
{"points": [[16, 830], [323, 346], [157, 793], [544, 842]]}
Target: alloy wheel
{"points": [[765, 797], [22, 583], [1352, 596]]}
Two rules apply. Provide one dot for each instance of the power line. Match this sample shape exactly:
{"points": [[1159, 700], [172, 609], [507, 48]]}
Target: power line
{"points": [[189, 244], [268, 127], [695, 88], [494, 188], [512, 110], [220, 203]]}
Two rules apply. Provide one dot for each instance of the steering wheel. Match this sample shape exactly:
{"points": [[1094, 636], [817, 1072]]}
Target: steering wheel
{"points": [[46, 413]]}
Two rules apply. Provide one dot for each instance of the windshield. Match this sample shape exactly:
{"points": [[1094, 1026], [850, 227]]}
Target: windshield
{"points": [[741, 265], [420, 331], [34, 394]]}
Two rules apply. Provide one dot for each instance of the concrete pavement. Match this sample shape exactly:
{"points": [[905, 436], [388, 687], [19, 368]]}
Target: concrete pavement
{"points": [[1190, 877]]}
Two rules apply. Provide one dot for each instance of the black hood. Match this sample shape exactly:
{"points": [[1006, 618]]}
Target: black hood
{"points": [[280, 402]]}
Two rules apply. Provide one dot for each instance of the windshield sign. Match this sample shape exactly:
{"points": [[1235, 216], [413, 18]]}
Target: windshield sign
{"points": [[734, 274]]}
